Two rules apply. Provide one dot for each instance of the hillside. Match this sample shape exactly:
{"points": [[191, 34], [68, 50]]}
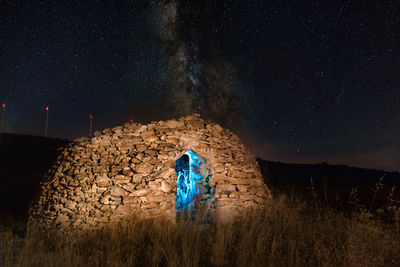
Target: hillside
{"points": [[24, 159], [334, 181]]}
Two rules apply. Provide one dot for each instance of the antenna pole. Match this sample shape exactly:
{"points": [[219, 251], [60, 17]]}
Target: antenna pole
{"points": [[3, 116], [47, 121], [91, 125]]}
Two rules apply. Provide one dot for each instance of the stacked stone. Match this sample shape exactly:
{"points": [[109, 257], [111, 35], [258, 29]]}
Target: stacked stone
{"points": [[131, 169]]}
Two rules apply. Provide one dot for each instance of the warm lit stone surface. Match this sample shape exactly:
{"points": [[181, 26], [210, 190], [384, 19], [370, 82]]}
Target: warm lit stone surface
{"points": [[131, 169]]}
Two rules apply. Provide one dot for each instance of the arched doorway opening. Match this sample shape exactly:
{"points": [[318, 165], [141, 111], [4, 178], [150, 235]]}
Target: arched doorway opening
{"points": [[194, 196]]}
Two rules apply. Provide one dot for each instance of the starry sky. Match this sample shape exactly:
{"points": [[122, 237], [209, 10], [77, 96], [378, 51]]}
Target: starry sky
{"points": [[312, 81]]}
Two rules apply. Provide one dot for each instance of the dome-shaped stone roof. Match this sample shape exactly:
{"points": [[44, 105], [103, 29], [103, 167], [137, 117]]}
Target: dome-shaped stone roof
{"points": [[165, 168]]}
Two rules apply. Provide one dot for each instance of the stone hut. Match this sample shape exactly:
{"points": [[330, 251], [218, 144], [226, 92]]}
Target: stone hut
{"points": [[167, 168]]}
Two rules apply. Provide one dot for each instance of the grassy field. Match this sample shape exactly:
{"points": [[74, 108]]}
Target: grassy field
{"points": [[306, 224], [292, 231]]}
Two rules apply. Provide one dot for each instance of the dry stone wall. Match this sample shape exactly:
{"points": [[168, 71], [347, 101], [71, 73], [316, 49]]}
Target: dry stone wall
{"points": [[131, 169]]}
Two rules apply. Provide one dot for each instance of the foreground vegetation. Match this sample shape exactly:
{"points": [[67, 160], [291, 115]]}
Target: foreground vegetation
{"points": [[290, 232]]}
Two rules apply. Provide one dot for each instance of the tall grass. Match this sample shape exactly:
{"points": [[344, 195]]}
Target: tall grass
{"points": [[287, 233]]}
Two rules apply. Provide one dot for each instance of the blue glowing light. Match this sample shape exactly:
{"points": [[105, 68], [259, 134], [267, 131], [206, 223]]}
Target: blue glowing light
{"points": [[192, 181]]}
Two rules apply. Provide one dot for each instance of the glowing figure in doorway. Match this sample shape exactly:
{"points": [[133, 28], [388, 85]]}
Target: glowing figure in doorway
{"points": [[192, 182]]}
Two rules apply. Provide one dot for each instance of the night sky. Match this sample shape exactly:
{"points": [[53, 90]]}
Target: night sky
{"points": [[306, 81]]}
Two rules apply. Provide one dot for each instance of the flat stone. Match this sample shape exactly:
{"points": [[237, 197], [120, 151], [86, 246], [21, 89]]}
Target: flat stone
{"points": [[105, 199], [131, 200], [103, 180], [81, 139], [144, 168], [172, 140], [140, 148], [219, 167], [129, 187], [168, 187], [154, 184], [117, 191], [237, 174], [147, 134], [137, 178], [117, 129], [143, 192], [195, 124], [225, 188], [156, 199], [122, 182], [174, 124], [151, 138], [242, 188], [61, 218], [168, 173], [135, 140], [70, 205], [127, 171]]}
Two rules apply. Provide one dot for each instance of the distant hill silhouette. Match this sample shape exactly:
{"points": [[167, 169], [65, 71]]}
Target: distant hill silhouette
{"points": [[336, 180], [24, 160], [283, 174]]}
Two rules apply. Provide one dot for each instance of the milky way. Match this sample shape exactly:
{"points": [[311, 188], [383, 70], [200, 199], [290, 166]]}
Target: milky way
{"points": [[199, 80], [298, 82]]}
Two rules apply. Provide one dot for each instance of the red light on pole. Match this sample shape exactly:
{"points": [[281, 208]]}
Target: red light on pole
{"points": [[3, 115], [91, 125], [131, 121], [47, 121]]}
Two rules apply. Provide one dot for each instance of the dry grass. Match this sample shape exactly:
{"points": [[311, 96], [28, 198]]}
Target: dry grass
{"points": [[287, 233]]}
